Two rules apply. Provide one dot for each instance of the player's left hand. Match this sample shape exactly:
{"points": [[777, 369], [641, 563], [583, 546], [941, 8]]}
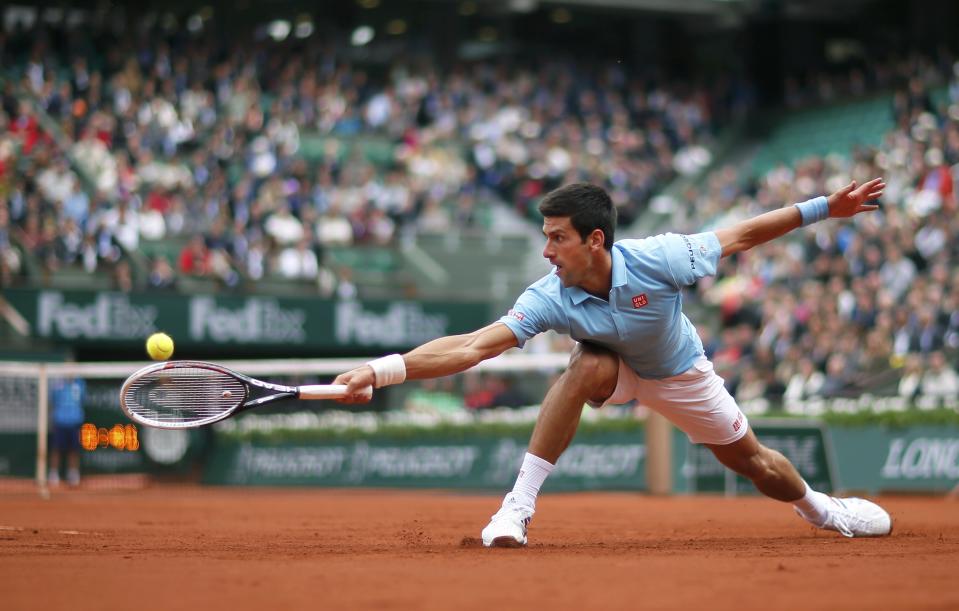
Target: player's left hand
{"points": [[851, 200]]}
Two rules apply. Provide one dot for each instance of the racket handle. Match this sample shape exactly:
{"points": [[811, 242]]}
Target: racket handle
{"points": [[329, 391]]}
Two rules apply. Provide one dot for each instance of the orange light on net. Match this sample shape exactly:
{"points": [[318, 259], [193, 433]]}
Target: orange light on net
{"points": [[89, 437], [118, 437], [132, 437]]}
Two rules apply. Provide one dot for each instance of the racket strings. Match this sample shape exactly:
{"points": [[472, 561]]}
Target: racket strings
{"points": [[183, 395]]}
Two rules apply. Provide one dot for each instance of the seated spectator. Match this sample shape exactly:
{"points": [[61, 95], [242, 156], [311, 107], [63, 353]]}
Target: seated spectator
{"points": [[283, 227], [433, 218], [194, 259], [345, 288], [912, 373], [838, 380], [939, 379], [477, 392], [122, 276], [161, 275], [298, 262], [69, 243], [123, 225], [333, 228], [508, 394], [751, 386]]}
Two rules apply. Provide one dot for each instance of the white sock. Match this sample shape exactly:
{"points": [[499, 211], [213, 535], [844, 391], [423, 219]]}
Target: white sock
{"points": [[814, 506], [531, 476]]}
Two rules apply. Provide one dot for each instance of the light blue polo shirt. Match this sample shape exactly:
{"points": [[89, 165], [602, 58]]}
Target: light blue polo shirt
{"points": [[643, 320]]}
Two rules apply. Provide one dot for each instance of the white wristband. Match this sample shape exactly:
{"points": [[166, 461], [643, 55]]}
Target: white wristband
{"points": [[390, 369]]}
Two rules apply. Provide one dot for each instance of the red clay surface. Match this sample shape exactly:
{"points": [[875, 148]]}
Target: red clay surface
{"points": [[242, 549]]}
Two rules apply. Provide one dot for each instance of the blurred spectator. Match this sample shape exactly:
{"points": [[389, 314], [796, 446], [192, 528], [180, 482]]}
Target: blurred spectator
{"points": [[194, 259], [912, 374], [477, 392], [283, 227], [66, 401], [806, 383], [122, 276], [9, 256], [161, 275], [506, 393], [298, 262], [332, 228], [939, 379], [345, 289], [751, 386], [837, 382]]}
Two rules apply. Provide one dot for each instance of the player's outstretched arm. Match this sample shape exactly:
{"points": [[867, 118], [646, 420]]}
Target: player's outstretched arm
{"points": [[440, 357], [846, 202]]}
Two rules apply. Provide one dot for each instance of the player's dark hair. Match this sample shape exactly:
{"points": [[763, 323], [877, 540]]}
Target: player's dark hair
{"points": [[587, 206]]}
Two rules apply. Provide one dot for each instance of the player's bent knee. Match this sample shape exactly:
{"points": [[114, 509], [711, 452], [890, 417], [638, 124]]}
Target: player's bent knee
{"points": [[594, 371], [594, 364]]}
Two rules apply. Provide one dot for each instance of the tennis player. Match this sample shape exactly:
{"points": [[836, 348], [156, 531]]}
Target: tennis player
{"points": [[622, 301]]}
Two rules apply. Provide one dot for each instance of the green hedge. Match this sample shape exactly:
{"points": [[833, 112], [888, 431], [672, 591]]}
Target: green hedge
{"points": [[914, 417]]}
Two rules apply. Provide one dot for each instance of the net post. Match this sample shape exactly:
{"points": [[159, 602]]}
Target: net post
{"points": [[42, 431], [659, 454]]}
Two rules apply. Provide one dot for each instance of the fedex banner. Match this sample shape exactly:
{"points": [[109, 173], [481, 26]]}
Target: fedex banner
{"points": [[90, 317]]}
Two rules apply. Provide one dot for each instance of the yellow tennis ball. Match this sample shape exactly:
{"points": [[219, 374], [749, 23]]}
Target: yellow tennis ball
{"points": [[160, 346]]}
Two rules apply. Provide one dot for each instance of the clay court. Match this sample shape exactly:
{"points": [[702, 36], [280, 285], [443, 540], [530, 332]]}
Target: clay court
{"points": [[242, 549]]}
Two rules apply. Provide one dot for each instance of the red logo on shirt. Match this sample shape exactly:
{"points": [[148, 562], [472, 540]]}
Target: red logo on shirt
{"points": [[640, 301], [739, 422], [517, 315]]}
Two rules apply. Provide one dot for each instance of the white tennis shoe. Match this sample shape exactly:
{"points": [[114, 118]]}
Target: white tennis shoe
{"points": [[855, 517], [507, 527]]}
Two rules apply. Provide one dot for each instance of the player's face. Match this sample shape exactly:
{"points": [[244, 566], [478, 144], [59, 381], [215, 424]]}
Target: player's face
{"points": [[566, 250]]}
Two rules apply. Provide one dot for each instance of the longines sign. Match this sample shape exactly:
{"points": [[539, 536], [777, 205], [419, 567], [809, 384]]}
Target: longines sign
{"points": [[91, 317]]}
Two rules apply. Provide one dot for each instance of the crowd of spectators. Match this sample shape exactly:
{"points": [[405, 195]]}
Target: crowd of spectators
{"points": [[843, 308], [177, 136], [181, 139]]}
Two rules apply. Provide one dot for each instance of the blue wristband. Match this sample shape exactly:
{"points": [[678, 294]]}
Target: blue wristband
{"points": [[813, 210]]}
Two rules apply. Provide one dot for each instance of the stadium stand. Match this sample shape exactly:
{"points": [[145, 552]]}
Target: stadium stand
{"points": [[144, 143]]}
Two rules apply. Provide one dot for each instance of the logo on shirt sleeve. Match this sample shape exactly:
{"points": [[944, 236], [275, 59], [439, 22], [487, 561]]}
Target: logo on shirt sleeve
{"points": [[640, 301], [517, 315]]}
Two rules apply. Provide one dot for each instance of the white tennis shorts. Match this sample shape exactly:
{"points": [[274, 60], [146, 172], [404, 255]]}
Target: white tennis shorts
{"points": [[696, 401]]}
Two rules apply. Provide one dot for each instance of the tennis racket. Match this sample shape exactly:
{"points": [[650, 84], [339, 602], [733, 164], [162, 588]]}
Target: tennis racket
{"points": [[189, 394]]}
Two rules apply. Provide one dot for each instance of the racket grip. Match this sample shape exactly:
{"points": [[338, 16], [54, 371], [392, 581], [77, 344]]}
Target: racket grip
{"points": [[329, 391]]}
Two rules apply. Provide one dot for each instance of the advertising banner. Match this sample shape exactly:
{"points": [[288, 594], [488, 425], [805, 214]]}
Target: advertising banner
{"points": [[371, 326], [600, 461], [879, 458]]}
